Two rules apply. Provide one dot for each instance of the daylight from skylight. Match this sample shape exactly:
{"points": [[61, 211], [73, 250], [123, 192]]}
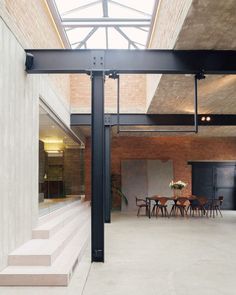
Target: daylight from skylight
{"points": [[106, 24]]}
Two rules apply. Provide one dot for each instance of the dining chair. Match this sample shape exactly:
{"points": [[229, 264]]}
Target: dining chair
{"points": [[180, 205], [198, 205], [162, 205], [155, 205], [215, 206], [141, 203]]}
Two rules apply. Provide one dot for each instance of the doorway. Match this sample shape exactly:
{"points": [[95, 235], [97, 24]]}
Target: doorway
{"points": [[214, 179]]}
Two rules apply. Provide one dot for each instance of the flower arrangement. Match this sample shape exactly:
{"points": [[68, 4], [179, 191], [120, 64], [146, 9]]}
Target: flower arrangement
{"points": [[177, 185]]}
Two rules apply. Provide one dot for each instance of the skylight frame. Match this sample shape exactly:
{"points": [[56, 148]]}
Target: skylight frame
{"points": [[141, 21]]}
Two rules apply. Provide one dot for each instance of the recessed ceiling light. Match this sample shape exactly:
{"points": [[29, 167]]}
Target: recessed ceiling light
{"points": [[203, 119]]}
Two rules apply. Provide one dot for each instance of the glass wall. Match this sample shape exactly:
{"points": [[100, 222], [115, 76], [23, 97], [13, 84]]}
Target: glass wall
{"points": [[61, 166]]}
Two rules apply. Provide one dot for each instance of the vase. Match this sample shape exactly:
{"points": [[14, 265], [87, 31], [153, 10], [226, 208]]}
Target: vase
{"points": [[177, 193]]}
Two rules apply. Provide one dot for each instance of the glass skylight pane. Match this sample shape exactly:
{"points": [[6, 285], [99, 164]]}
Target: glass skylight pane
{"points": [[98, 40], [145, 6], [121, 12], [92, 11], [135, 35], [115, 40], [66, 5], [77, 34]]}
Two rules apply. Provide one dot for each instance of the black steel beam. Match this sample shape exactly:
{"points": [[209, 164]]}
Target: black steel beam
{"points": [[132, 61], [158, 120], [107, 169], [97, 167]]}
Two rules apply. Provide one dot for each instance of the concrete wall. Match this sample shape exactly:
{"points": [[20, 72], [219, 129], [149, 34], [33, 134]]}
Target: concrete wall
{"points": [[19, 128], [134, 182], [180, 150], [18, 146], [36, 29], [143, 178]]}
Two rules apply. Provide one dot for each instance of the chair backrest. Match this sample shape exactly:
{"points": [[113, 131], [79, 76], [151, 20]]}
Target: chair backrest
{"points": [[192, 197], [202, 200], [221, 199], [162, 200], [182, 200], [139, 201]]}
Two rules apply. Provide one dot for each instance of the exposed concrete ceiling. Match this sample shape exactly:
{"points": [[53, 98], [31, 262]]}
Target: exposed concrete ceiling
{"points": [[210, 24]]}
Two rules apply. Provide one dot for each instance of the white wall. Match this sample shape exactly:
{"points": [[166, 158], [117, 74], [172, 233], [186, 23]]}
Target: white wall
{"points": [[19, 128], [145, 178]]}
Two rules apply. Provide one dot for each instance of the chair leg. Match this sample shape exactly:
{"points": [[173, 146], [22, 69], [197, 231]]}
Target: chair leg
{"points": [[153, 210], [157, 210], [162, 213], [186, 211], [219, 211], [138, 211], [166, 213]]}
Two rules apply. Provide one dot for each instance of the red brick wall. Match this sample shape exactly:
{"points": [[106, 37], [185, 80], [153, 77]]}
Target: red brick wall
{"points": [[178, 149]]}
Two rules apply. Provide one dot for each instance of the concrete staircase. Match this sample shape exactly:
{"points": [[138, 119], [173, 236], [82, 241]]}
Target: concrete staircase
{"points": [[57, 246]]}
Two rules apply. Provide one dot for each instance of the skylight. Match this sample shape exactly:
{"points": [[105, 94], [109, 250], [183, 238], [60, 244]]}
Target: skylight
{"points": [[104, 24]]}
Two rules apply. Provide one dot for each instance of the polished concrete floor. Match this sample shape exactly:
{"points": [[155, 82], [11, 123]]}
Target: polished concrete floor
{"points": [[176, 256]]}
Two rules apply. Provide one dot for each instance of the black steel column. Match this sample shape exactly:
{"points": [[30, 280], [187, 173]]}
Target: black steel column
{"points": [[107, 168], [97, 166]]}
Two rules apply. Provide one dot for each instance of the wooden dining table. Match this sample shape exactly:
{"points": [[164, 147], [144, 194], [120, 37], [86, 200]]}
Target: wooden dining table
{"points": [[157, 197]]}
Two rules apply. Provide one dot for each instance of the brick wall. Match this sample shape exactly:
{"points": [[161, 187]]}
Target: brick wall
{"points": [[73, 177], [132, 94], [168, 24], [33, 21], [179, 149]]}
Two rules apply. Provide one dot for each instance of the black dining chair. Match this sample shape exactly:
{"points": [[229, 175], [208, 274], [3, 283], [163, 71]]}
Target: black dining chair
{"points": [[214, 206]]}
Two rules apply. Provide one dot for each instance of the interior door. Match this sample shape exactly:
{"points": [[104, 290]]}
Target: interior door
{"points": [[225, 185], [203, 180], [213, 180]]}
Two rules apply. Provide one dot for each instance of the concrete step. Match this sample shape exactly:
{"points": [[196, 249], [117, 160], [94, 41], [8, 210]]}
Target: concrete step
{"points": [[58, 274], [52, 225], [58, 212], [43, 252]]}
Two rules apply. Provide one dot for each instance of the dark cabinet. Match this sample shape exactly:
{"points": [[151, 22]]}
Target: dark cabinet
{"points": [[54, 189], [214, 179]]}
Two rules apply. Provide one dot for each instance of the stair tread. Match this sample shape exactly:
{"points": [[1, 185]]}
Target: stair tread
{"points": [[58, 219], [48, 246], [63, 263]]}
